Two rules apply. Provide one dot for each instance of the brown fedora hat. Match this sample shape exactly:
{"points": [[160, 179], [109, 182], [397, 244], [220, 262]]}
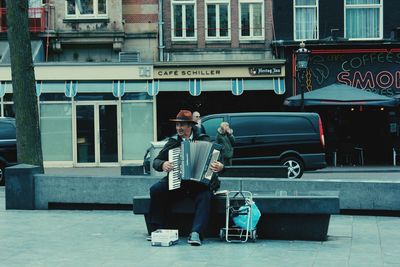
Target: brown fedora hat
{"points": [[185, 116]]}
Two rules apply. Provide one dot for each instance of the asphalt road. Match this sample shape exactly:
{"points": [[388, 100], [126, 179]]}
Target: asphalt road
{"points": [[379, 176]]}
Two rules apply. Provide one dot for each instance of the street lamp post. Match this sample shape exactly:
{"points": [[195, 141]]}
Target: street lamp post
{"points": [[302, 59]]}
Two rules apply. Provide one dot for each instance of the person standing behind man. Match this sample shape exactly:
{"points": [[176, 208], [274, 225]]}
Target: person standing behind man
{"points": [[227, 140], [198, 126]]}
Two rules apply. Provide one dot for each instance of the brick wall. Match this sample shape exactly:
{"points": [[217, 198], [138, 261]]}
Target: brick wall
{"points": [[140, 15], [201, 43]]}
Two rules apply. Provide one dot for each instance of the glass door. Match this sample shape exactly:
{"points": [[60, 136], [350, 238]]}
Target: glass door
{"points": [[96, 134], [85, 134], [108, 129]]}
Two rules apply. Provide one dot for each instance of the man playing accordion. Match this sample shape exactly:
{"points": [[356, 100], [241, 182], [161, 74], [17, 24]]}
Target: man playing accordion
{"points": [[160, 195]]}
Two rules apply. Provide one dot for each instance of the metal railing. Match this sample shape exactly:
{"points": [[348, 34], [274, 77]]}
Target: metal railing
{"points": [[40, 19]]}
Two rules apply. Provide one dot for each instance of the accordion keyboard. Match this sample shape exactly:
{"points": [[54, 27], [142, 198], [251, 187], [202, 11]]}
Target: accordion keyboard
{"points": [[174, 181]]}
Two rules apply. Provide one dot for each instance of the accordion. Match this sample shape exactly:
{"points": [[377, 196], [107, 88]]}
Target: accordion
{"points": [[192, 161]]}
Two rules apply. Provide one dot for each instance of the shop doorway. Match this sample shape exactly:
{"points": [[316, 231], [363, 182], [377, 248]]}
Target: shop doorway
{"points": [[96, 134]]}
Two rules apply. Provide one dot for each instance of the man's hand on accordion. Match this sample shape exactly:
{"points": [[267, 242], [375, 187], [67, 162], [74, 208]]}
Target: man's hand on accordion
{"points": [[216, 166], [167, 166]]}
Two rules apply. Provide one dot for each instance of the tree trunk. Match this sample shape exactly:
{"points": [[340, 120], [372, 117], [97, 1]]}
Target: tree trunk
{"points": [[29, 146]]}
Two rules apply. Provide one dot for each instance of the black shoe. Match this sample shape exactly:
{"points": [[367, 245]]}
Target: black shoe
{"points": [[148, 238], [194, 239]]}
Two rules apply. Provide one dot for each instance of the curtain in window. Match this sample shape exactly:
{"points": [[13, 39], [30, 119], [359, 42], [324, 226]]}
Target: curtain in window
{"points": [[189, 20], [245, 19], [257, 19], [211, 20], [251, 19], [102, 6], [85, 6], [306, 19], [71, 7], [362, 22], [178, 20], [79, 4], [223, 20]]}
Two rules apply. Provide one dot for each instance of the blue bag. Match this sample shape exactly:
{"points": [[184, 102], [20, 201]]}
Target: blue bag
{"points": [[242, 215]]}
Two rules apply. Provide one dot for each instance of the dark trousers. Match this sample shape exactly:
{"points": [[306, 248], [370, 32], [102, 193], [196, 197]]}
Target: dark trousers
{"points": [[161, 200]]}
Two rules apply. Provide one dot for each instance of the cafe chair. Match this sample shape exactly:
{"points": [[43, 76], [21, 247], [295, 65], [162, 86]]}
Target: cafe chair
{"points": [[396, 155]]}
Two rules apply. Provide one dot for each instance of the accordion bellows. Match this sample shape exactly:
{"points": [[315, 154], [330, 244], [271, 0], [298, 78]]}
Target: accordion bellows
{"points": [[192, 161]]}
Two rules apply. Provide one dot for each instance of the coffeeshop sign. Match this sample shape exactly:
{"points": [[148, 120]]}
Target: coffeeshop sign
{"points": [[377, 72]]}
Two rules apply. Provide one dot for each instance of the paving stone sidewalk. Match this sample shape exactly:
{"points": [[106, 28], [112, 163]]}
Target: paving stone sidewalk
{"points": [[117, 238]]}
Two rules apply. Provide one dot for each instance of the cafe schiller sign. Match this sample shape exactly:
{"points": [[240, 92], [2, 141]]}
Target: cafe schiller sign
{"points": [[375, 70]]}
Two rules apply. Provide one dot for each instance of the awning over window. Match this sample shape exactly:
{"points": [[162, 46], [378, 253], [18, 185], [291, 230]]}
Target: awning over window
{"points": [[340, 95], [236, 86], [119, 87]]}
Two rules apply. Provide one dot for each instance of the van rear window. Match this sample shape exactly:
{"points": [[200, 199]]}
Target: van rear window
{"points": [[212, 125], [262, 125]]}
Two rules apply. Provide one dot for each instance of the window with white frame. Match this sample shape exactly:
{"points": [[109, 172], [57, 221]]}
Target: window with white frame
{"points": [[251, 14], [86, 8], [305, 19], [35, 3], [363, 19], [218, 19], [35, 9], [183, 20]]}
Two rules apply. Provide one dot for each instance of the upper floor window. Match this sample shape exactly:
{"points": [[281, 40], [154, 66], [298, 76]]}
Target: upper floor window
{"points": [[31, 3], [218, 19], [251, 13], [183, 16], [306, 19], [86, 8], [35, 3], [363, 19]]}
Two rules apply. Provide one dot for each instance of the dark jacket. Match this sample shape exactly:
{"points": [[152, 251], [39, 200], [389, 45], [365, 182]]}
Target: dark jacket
{"points": [[199, 129], [175, 141], [227, 141]]}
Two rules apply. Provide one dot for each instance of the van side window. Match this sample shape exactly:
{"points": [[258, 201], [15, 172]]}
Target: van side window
{"points": [[212, 125], [262, 125]]}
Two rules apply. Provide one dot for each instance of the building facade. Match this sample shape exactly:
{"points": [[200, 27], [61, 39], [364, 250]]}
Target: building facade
{"points": [[93, 63], [229, 41], [110, 73], [352, 42]]}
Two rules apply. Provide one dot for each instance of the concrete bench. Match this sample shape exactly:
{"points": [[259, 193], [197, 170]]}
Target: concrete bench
{"points": [[132, 169], [261, 171], [284, 215]]}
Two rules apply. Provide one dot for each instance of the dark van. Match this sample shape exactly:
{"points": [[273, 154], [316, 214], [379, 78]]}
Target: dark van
{"points": [[292, 139], [8, 145]]}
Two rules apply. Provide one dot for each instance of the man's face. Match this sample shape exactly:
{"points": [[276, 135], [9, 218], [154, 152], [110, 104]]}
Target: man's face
{"points": [[184, 129]]}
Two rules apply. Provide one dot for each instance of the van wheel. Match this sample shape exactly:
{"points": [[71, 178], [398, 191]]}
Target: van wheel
{"points": [[295, 167]]}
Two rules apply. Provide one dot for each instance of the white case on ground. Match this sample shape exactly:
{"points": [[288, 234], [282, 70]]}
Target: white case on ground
{"points": [[164, 237]]}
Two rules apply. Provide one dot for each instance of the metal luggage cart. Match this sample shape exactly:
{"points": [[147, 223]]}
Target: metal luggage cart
{"points": [[238, 203]]}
